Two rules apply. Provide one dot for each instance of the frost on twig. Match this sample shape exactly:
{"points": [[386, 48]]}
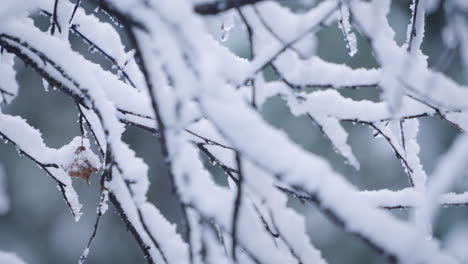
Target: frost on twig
{"points": [[348, 34]]}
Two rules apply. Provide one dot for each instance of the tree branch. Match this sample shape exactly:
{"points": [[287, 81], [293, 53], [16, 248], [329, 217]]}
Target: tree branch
{"points": [[219, 6]]}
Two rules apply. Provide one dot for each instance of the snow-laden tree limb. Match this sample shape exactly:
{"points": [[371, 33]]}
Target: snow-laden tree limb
{"points": [[169, 76]]}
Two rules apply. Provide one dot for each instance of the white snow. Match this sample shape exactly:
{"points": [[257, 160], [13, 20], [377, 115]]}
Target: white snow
{"points": [[10, 258], [193, 90]]}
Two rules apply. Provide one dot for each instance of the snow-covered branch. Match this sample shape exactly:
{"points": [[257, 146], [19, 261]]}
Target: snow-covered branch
{"points": [[168, 75]]}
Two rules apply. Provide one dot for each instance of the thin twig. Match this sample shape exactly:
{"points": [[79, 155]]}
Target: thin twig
{"points": [[237, 206], [55, 22], [75, 8], [413, 25]]}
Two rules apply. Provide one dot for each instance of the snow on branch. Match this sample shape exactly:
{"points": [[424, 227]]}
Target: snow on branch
{"points": [[28, 141], [201, 101]]}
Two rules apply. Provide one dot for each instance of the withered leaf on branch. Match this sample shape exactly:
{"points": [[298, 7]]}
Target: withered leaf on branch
{"points": [[81, 167]]}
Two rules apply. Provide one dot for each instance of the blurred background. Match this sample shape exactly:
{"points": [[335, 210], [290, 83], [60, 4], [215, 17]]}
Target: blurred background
{"points": [[40, 228]]}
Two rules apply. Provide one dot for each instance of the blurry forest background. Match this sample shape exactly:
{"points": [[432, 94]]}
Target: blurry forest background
{"points": [[40, 228]]}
